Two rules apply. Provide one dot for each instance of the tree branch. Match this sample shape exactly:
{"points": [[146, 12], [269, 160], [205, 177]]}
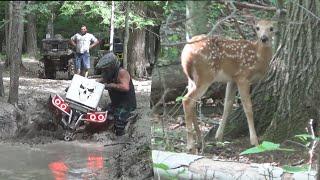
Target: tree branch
{"points": [[241, 5]]}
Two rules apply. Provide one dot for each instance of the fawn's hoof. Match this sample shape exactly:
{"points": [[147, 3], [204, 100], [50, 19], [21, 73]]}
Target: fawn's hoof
{"points": [[254, 141]]}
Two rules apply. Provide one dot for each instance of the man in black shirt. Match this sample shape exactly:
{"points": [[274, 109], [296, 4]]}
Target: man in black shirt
{"points": [[118, 82]]}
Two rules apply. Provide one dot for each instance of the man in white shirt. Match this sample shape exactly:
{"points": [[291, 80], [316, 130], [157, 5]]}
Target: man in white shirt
{"points": [[83, 42]]}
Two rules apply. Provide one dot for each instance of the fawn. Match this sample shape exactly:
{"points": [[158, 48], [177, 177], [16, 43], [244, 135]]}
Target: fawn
{"points": [[238, 62]]}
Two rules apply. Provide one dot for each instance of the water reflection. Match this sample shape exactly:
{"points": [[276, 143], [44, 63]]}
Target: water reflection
{"points": [[78, 168], [58, 161], [61, 171]]}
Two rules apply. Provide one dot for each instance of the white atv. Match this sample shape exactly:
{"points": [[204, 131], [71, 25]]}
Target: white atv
{"points": [[80, 107]]}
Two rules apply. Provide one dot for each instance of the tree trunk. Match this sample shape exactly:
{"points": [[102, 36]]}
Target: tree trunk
{"points": [[152, 47], [31, 35], [15, 53], [1, 80], [137, 62], [112, 27], [289, 96], [8, 31], [50, 28], [126, 37], [197, 15], [140, 51]]}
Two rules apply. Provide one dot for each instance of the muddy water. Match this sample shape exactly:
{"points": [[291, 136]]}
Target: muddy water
{"points": [[59, 160]]}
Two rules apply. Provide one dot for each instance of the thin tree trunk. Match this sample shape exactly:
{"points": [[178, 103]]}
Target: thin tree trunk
{"points": [[112, 26], [126, 36], [50, 28], [1, 80], [15, 53], [8, 31], [289, 96], [31, 34]]}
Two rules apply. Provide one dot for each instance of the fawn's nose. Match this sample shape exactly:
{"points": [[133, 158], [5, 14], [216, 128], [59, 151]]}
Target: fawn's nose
{"points": [[264, 38]]}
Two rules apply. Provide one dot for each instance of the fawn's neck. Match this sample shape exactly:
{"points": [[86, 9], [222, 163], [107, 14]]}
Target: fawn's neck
{"points": [[264, 55]]}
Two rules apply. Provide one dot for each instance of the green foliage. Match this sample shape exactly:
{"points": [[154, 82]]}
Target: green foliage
{"points": [[294, 169], [102, 11], [166, 169], [174, 6], [161, 166], [179, 98], [306, 138], [215, 12], [222, 144], [264, 147]]}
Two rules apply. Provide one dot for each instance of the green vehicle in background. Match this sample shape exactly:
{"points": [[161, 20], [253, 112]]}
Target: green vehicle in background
{"points": [[57, 56]]}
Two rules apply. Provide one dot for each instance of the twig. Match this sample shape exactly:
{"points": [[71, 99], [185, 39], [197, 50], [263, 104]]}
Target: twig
{"points": [[113, 144], [314, 144], [250, 6], [296, 143], [236, 22]]}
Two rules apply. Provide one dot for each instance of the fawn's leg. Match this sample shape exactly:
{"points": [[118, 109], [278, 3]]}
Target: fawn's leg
{"points": [[228, 102], [244, 90], [189, 103]]}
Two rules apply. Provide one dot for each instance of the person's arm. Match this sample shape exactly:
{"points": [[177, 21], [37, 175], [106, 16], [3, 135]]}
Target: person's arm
{"points": [[123, 82], [95, 42], [72, 41]]}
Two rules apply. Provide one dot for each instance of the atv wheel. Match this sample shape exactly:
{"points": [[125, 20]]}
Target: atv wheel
{"points": [[70, 68], [41, 73], [49, 69]]}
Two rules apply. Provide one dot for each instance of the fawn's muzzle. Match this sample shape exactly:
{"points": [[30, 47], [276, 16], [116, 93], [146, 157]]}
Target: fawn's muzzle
{"points": [[264, 38]]}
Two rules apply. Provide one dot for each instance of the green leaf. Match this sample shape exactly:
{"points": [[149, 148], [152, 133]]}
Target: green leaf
{"points": [[161, 166], [304, 136], [179, 98], [293, 169], [265, 146]]}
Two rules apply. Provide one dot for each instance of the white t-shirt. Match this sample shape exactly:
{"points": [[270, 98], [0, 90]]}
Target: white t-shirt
{"points": [[83, 41]]}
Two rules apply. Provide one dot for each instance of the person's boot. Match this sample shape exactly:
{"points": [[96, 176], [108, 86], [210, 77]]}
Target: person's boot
{"points": [[120, 126]]}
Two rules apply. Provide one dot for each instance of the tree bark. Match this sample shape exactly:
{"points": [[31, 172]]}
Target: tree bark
{"points": [[137, 62], [112, 26], [15, 53], [140, 49], [1, 80], [197, 15], [8, 31], [31, 34], [50, 27], [289, 96], [126, 36]]}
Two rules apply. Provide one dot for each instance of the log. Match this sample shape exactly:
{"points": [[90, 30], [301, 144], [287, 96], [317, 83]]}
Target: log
{"points": [[170, 82]]}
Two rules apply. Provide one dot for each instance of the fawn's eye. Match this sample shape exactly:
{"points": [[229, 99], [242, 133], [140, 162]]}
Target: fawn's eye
{"points": [[257, 28], [271, 29]]}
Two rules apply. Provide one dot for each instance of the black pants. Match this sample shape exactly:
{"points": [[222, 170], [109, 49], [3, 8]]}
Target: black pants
{"points": [[120, 116]]}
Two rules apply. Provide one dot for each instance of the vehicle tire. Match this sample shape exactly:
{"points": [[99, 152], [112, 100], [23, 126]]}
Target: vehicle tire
{"points": [[41, 73], [70, 68], [49, 69]]}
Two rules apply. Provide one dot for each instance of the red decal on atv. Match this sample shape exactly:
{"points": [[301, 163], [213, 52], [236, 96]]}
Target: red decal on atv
{"points": [[98, 117], [59, 103]]}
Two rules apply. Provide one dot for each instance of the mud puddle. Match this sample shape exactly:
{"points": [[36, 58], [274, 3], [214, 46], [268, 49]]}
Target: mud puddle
{"points": [[59, 160]]}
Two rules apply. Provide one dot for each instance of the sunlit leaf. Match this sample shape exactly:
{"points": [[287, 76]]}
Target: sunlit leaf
{"points": [[161, 166], [179, 98], [264, 147], [293, 169]]}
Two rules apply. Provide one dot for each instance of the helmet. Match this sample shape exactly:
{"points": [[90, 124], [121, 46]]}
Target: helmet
{"points": [[110, 67], [108, 61]]}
